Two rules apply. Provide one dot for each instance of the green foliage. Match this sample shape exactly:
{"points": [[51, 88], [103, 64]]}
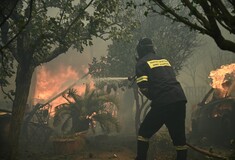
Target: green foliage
{"points": [[6, 72], [119, 62], [56, 26]]}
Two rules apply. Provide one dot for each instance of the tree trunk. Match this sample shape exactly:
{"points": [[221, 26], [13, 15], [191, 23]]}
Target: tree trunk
{"points": [[23, 81]]}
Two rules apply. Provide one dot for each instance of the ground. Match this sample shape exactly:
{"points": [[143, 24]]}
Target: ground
{"points": [[100, 147], [113, 147]]}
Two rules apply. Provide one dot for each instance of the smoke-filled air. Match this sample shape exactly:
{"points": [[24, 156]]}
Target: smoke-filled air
{"points": [[117, 79]]}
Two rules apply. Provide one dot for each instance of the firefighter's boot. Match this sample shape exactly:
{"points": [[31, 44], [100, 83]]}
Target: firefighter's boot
{"points": [[181, 154], [142, 150]]}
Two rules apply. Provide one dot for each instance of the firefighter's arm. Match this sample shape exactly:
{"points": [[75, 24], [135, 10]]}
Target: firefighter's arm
{"points": [[144, 89], [145, 92], [142, 79]]}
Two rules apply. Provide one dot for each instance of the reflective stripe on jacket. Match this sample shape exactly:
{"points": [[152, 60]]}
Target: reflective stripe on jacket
{"points": [[157, 76]]}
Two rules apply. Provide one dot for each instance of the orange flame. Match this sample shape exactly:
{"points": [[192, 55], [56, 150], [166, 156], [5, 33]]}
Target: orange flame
{"points": [[222, 79], [50, 84]]}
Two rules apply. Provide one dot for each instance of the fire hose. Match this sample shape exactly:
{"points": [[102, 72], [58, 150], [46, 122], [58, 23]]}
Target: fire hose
{"points": [[207, 153]]}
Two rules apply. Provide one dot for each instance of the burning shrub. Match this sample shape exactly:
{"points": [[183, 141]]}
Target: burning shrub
{"points": [[83, 112]]}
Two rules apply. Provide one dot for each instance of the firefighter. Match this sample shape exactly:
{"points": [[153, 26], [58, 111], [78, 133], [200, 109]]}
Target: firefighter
{"points": [[157, 81]]}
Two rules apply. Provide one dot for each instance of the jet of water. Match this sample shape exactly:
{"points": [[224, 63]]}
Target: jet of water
{"points": [[111, 79]]}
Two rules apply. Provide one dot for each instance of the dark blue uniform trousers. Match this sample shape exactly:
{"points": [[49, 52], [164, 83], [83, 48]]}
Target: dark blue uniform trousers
{"points": [[173, 116]]}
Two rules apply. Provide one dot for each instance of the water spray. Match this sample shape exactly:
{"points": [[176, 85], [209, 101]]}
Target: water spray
{"points": [[82, 80], [130, 78], [113, 78]]}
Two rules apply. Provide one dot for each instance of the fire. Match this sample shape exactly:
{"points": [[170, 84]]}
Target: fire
{"points": [[222, 79], [49, 84]]}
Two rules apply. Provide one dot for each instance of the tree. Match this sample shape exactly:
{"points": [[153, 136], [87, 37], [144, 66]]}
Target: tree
{"points": [[45, 37], [174, 42], [205, 16]]}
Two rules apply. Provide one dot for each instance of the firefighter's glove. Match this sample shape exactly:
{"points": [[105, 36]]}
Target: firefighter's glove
{"points": [[145, 92], [131, 78]]}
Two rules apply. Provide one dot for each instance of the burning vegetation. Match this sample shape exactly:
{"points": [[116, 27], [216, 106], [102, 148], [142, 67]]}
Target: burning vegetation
{"points": [[61, 110], [223, 80], [213, 119], [80, 106], [84, 112], [48, 84]]}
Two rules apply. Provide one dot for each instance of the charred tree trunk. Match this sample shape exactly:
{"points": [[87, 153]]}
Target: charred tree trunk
{"points": [[23, 81]]}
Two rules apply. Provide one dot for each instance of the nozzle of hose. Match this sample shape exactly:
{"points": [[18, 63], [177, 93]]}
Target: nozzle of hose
{"points": [[132, 78]]}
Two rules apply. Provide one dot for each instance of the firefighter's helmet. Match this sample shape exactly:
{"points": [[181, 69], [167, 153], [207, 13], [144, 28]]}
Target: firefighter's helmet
{"points": [[144, 46]]}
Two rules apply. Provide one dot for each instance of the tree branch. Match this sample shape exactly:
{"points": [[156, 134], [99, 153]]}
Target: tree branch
{"points": [[22, 28], [225, 15], [63, 48], [7, 17], [209, 24], [56, 52], [79, 14], [196, 13], [7, 94], [178, 17]]}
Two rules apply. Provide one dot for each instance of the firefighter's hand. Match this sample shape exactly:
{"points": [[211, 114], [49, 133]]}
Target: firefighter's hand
{"points": [[131, 78], [145, 92]]}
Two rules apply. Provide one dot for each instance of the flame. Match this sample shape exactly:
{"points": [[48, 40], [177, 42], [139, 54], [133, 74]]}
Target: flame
{"points": [[222, 79], [49, 84]]}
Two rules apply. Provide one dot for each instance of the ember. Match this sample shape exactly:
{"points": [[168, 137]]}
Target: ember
{"points": [[222, 79]]}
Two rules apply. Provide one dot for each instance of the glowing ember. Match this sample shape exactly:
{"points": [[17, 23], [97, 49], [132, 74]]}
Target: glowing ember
{"points": [[222, 79]]}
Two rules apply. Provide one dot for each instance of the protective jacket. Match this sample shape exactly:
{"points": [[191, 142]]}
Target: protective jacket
{"points": [[157, 81]]}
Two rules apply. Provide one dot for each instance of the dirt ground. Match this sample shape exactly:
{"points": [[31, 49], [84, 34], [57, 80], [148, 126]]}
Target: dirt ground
{"points": [[114, 147], [101, 147]]}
